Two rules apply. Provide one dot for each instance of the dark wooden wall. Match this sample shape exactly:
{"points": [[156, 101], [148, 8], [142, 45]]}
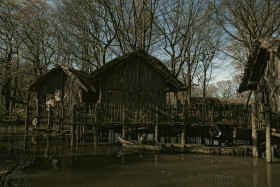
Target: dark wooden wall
{"points": [[72, 93], [268, 90], [135, 82]]}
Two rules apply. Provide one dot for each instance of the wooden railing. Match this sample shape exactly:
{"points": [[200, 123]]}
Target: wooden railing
{"points": [[195, 114]]}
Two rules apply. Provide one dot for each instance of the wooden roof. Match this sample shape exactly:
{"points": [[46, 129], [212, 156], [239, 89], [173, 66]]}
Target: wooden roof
{"points": [[80, 77], [256, 64], [154, 62]]}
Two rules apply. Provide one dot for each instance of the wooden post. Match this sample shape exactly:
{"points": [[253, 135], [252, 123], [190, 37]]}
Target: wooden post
{"points": [[95, 135], [124, 124], [234, 133], [78, 132], [49, 118], [183, 135], [268, 133], [254, 130], [38, 109], [73, 127], [202, 135], [26, 118], [27, 113], [156, 126]]}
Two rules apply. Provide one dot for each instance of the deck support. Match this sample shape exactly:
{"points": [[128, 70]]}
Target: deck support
{"points": [[157, 127], [254, 130], [124, 134], [49, 118], [38, 109], [73, 127], [234, 134], [268, 133], [95, 135]]}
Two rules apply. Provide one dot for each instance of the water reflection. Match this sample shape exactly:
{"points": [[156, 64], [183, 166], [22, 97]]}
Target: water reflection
{"points": [[50, 160]]}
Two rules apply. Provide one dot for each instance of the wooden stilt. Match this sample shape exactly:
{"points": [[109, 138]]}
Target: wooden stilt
{"points": [[49, 118], [95, 135], [156, 126], [124, 134], [202, 135], [234, 133], [38, 109], [254, 130], [78, 132], [183, 135], [27, 113], [73, 127], [268, 133], [26, 118]]}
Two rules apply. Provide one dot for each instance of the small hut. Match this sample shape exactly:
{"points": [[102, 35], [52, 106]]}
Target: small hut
{"points": [[262, 74], [135, 78], [61, 88]]}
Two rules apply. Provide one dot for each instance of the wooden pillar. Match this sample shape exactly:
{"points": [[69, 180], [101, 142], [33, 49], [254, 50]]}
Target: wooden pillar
{"points": [[254, 130], [78, 135], [38, 111], [234, 134], [202, 135], [49, 118], [27, 113], [124, 134], [111, 136], [268, 133], [73, 127], [26, 118], [183, 134], [156, 126], [61, 124], [95, 134]]}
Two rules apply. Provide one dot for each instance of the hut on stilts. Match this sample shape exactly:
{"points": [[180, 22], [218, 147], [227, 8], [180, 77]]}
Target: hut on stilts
{"points": [[57, 92], [262, 76]]}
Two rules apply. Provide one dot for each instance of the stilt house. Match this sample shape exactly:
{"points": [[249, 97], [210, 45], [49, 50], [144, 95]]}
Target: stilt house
{"points": [[135, 78], [262, 73], [61, 88]]}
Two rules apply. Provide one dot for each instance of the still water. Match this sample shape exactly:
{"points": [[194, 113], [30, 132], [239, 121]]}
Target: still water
{"points": [[49, 160]]}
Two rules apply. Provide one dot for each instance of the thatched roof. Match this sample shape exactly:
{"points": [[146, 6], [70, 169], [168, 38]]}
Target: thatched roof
{"points": [[154, 62], [257, 62], [80, 77]]}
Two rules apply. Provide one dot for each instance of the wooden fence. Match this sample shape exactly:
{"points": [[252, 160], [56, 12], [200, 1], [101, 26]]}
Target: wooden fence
{"points": [[195, 114]]}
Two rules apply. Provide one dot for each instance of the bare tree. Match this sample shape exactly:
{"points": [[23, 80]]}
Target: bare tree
{"points": [[84, 32], [133, 22], [245, 21]]}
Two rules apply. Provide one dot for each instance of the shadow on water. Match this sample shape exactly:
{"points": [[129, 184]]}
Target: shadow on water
{"points": [[50, 160]]}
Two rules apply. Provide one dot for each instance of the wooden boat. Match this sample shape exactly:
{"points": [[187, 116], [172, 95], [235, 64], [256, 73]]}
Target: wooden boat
{"points": [[135, 146]]}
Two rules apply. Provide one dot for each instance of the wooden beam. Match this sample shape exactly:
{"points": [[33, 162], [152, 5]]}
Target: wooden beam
{"points": [[254, 118]]}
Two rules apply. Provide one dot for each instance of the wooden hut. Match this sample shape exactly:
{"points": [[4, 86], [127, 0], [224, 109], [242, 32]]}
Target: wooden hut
{"points": [[262, 74], [135, 78], [61, 88]]}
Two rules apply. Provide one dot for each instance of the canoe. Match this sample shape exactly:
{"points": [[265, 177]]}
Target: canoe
{"points": [[135, 146]]}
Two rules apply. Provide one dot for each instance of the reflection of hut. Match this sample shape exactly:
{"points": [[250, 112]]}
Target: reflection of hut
{"points": [[62, 87], [136, 78], [262, 74]]}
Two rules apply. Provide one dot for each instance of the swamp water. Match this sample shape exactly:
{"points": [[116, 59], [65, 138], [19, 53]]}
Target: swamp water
{"points": [[49, 160]]}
